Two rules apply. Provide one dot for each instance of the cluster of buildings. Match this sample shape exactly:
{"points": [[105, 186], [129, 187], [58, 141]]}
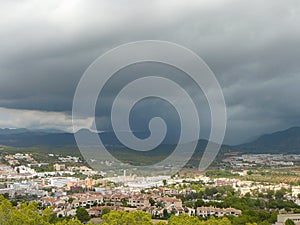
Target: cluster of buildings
{"points": [[70, 159], [63, 190], [15, 159], [23, 188], [252, 160], [156, 205], [21, 166], [65, 193]]}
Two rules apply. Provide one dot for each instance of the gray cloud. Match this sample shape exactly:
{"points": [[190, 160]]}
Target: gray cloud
{"points": [[252, 47]]}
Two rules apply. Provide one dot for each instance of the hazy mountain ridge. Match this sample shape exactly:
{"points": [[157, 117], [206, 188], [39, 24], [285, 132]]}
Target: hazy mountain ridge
{"points": [[286, 141]]}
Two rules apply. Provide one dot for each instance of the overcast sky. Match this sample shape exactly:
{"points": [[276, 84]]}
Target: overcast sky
{"points": [[253, 47]]}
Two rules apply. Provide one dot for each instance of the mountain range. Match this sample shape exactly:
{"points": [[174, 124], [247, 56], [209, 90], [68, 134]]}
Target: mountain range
{"points": [[286, 141]]}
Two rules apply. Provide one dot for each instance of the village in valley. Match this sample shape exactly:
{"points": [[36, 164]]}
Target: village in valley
{"points": [[67, 183]]}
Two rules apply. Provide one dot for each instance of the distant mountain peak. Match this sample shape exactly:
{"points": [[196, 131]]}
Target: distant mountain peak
{"points": [[284, 141]]}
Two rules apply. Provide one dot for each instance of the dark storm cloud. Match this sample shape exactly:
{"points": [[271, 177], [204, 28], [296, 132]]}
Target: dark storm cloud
{"points": [[252, 47]]}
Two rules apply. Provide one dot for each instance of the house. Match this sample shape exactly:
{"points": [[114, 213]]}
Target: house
{"points": [[66, 212], [190, 211], [139, 201], [217, 212], [94, 212], [171, 202], [85, 201], [177, 211], [59, 167], [154, 211], [282, 218], [97, 211], [48, 201], [118, 198]]}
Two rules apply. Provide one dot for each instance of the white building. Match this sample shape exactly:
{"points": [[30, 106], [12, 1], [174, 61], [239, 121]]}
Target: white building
{"points": [[281, 218], [25, 170], [61, 181]]}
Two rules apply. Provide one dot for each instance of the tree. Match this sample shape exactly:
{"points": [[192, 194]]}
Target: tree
{"points": [[49, 216], [270, 194], [6, 211], [280, 194], [289, 222], [210, 191], [250, 172], [105, 211], [82, 215], [117, 217], [161, 223], [165, 214], [124, 203], [214, 221], [122, 217], [27, 214], [69, 222], [70, 200], [159, 204], [6, 195], [152, 201], [141, 218], [184, 220]]}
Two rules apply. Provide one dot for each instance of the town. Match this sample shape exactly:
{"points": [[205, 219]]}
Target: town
{"points": [[66, 188]]}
